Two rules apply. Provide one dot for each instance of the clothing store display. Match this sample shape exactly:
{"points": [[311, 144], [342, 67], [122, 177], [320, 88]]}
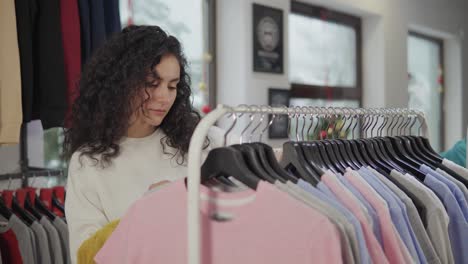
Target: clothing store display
{"points": [[435, 218], [343, 226], [9, 248], [71, 41], [372, 212], [398, 213], [95, 195], [391, 247], [415, 220], [92, 245], [359, 248], [23, 235], [460, 185], [310, 237], [55, 245], [458, 225], [10, 76], [42, 241], [62, 229]]}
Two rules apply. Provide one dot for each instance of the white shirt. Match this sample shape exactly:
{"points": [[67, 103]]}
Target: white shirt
{"points": [[97, 196]]}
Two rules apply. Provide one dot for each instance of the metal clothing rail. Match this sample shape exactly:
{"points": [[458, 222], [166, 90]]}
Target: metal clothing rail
{"points": [[201, 131]]}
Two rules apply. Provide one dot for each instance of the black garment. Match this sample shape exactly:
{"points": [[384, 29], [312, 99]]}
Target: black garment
{"points": [[85, 30], [26, 14], [112, 17], [98, 24], [51, 97]]}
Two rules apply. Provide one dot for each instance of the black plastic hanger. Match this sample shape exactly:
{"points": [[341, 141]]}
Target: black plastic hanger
{"points": [[56, 203], [40, 206], [265, 162], [4, 210], [312, 155], [335, 156], [340, 147], [23, 214], [322, 151], [293, 160], [253, 162], [377, 161], [273, 162], [228, 161], [427, 150]]}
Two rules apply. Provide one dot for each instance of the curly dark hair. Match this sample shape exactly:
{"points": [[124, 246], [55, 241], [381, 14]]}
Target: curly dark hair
{"points": [[111, 79]]}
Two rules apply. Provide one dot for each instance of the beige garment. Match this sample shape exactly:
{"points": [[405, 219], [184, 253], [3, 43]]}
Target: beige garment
{"points": [[11, 114]]}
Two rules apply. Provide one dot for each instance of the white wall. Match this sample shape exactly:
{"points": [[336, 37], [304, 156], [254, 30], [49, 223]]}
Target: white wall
{"points": [[384, 32]]}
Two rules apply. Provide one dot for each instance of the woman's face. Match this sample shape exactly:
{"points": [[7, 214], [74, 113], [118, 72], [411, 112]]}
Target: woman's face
{"points": [[154, 102]]}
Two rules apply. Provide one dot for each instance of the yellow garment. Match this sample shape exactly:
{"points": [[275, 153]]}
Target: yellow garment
{"points": [[11, 113], [91, 246]]}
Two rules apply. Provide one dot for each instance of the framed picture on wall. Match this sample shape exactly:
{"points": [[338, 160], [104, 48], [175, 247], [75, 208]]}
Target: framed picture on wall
{"points": [[267, 39], [279, 128]]}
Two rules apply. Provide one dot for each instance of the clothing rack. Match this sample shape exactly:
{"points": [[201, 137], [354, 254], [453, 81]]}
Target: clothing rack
{"points": [[201, 131], [27, 171]]}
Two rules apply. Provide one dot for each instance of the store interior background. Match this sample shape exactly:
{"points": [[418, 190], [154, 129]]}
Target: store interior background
{"points": [[217, 36]]}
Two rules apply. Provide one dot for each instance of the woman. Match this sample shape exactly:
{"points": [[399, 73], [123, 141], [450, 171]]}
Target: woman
{"points": [[130, 127]]}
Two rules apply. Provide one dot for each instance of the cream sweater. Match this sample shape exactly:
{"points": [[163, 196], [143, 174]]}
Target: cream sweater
{"points": [[97, 196]]}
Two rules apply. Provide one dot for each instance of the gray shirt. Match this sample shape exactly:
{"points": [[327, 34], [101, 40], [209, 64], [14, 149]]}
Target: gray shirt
{"points": [[460, 185], [43, 249], [62, 229], [436, 217], [23, 235], [54, 241], [415, 220], [345, 229]]}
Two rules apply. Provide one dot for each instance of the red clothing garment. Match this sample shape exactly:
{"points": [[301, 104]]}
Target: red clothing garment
{"points": [[71, 40], [9, 248]]}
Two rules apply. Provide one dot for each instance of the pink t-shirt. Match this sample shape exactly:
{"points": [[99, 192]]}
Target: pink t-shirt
{"points": [[349, 201], [267, 226], [390, 238]]}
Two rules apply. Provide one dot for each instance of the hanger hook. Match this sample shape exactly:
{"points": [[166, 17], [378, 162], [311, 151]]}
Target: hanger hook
{"points": [[252, 118], [234, 116], [262, 116], [290, 114], [268, 124], [305, 112], [311, 112]]}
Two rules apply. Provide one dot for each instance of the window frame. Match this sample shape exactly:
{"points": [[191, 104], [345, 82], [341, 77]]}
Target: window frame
{"points": [[299, 90], [440, 43]]}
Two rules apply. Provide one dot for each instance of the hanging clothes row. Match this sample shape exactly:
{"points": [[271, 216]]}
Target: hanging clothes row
{"points": [[381, 198], [32, 226], [48, 44]]}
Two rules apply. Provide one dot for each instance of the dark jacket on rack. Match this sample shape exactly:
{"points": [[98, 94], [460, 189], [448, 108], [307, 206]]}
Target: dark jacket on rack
{"points": [[26, 14], [50, 101]]}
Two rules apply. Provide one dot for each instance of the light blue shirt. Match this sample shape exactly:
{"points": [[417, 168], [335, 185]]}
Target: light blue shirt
{"points": [[458, 226], [370, 209], [398, 214], [333, 201], [457, 193]]}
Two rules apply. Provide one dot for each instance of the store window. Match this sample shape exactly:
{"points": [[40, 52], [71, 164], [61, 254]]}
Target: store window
{"points": [[426, 83], [324, 57]]}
